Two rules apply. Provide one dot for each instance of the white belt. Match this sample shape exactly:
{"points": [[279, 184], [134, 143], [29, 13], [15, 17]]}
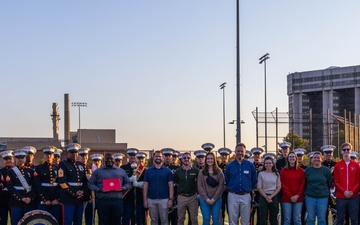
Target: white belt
{"points": [[75, 184], [49, 185], [21, 188], [4, 189]]}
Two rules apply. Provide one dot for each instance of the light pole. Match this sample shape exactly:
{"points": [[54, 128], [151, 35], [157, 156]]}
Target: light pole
{"points": [[79, 105], [222, 86], [263, 60], [238, 116]]}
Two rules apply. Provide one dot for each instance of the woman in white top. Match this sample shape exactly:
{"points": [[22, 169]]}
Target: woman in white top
{"points": [[269, 185]]}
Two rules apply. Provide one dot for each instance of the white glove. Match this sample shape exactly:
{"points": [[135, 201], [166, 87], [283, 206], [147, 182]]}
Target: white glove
{"points": [[133, 178], [138, 184]]}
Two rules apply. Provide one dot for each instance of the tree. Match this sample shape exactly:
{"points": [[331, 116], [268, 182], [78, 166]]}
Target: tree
{"points": [[297, 141]]}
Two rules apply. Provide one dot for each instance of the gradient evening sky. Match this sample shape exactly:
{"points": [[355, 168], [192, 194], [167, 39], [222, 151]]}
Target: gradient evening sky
{"points": [[152, 69]]}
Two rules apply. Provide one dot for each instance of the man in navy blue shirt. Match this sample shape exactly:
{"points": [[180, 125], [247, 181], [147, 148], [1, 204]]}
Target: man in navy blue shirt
{"points": [[240, 176], [158, 190]]}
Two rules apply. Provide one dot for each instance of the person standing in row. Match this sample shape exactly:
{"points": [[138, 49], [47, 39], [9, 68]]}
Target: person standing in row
{"points": [[129, 195], [293, 183], [118, 159], [318, 181], [169, 163], [31, 151], [109, 202], [224, 156], [20, 183], [89, 200], [347, 180], [257, 152], [8, 158], [200, 159], [210, 187], [269, 185], [45, 176], [329, 162], [57, 156], [141, 213], [158, 190], [300, 157], [74, 186], [186, 179], [240, 177]]}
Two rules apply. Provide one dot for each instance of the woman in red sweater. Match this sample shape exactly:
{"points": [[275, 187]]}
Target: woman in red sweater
{"points": [[292, 184]]}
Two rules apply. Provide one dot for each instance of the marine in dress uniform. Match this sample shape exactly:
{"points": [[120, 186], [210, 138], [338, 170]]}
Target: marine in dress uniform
{"points": [[300, 154], [354, 156], [248, 154], [257, 152], [96, 164], [328, 154], [169, 163], [118, 157], [31, 151], [176, 159], [57, 159], [129, 197], [141, 212], [45, 177], [57, 156], [89, 200], [20, 183], [285, 149], [8, 158], [200, 159], [96, 161], [74, 186], [328, 151], [224, 156]]}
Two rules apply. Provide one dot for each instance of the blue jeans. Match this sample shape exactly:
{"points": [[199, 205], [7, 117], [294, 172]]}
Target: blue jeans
{"points": [[292, 212], [214, 209], [316, 207]]}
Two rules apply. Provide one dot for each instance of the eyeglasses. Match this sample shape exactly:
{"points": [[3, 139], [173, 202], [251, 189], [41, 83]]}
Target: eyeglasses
{"points": [[346, 149], [186, 157]]}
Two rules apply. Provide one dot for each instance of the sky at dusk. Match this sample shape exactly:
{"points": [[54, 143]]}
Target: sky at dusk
{"points": [[152, 69]]}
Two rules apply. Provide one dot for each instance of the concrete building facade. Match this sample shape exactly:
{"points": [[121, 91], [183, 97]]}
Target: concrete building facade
{"points": [[317, 99]]}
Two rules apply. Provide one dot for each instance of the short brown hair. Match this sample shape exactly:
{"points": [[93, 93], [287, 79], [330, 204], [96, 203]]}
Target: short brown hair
{"points": [[240, 144], [346, 144]]}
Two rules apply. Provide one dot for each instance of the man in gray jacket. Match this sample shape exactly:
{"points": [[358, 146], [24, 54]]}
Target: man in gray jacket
{"points": [[108, 182]]}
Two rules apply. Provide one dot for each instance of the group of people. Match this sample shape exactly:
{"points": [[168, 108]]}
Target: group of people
{"points": [[249, 190], [305, 190]]}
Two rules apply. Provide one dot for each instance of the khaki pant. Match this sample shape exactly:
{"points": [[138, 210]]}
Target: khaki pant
{"points": [[188, 202], [158, 207], [239, 205]]}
